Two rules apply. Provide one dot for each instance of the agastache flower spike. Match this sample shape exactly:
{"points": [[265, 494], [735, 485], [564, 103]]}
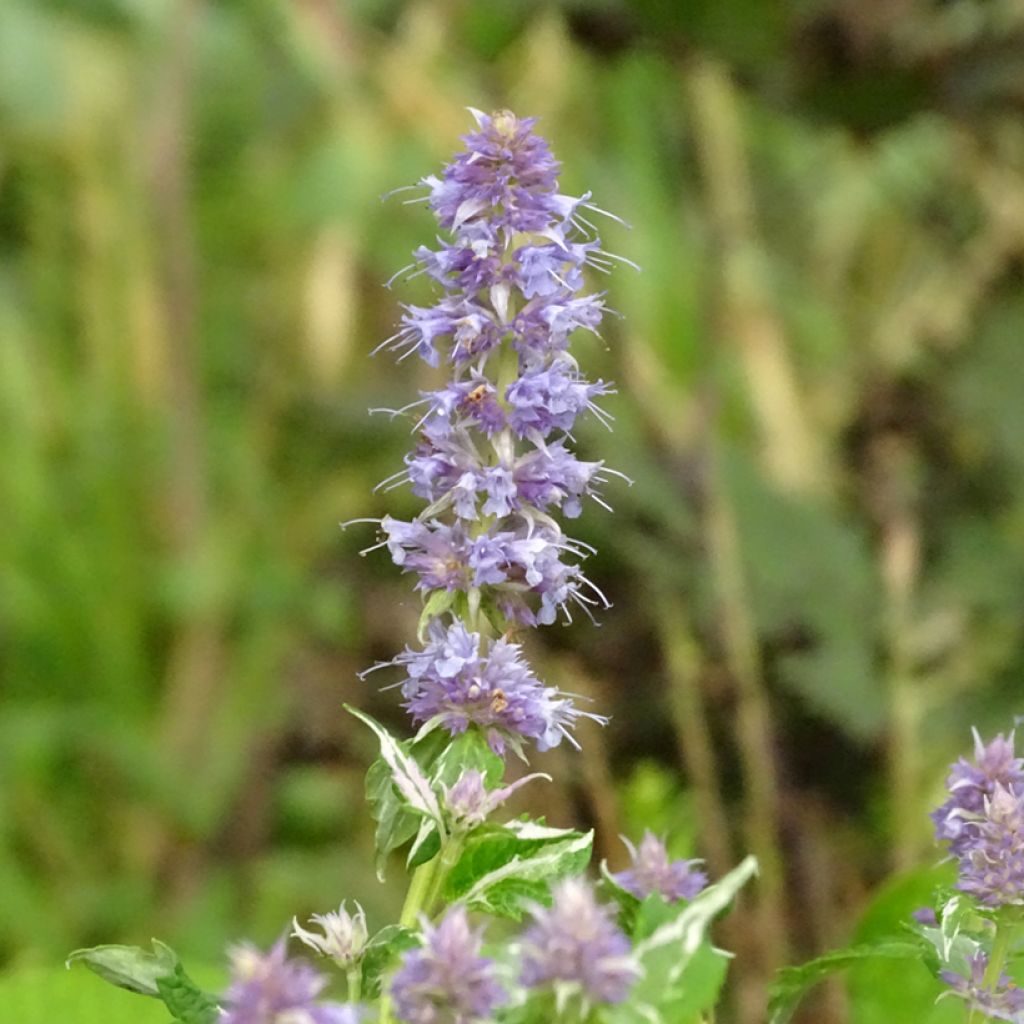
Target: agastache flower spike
{"points": [[461, 679], [653, 872], [969, 785], [576, 942], [492, 459], [446, 981], [268, 988], [992, 866]]}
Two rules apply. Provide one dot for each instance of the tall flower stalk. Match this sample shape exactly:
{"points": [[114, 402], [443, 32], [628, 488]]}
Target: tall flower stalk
{"points": [[493, 458]]}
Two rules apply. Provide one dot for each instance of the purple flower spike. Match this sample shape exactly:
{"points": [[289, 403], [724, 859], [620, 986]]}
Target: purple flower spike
{"points": [[446, 981], [576, 941], [492, 458], [652, 872], [992, 866], [1004, 1001], [970, 784], [268, 988]]}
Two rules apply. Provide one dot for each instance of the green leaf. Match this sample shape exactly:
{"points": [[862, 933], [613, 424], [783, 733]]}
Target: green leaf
{"points": [[469, 750], [158, 974], [883, 990], [400, 796], [682, 972], [187, 1002], [437, 604], [395, 825], [406, 774], [629, 905], [504, 867], [129, 967], [425, 848], [381, 952], [792, 983]]}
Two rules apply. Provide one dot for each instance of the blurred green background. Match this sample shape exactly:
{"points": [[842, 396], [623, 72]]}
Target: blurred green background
{"points": [[817, 577]]}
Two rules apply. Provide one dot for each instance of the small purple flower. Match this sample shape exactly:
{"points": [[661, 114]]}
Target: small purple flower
{"points": [[970, 785], [543, 400], [461, 679], [926, 916], [268, 988], [468, 802], [577, 941], [446, 981], [992, 866], [652, 872], [1003, 1001]]}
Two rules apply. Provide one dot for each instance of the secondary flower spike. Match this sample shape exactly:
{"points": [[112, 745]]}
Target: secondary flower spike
{"points": [[653, 872], [268, 988], [577, 941], [970, 784], [446, 981], [494, 459]]}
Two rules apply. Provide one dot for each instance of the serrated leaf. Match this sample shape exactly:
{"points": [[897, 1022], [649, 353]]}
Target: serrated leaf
{"points": [[395, 825], [187, 1002], [791, 984], [682, 971], [688, 927], [694, 993], [129, 967], [504, 868], [381, 952], [405, 772]]}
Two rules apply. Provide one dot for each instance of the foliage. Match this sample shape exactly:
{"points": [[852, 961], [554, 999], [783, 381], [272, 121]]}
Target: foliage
{"points": [[825, 334]]}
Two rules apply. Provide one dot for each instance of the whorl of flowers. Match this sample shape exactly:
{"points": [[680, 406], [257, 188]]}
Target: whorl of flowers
{"points": [[446, 981], [576, 941], [1002, 1001], [651, 871], [493, 457], [992, 866], [268, 988], [983, 823], [970, 784]]}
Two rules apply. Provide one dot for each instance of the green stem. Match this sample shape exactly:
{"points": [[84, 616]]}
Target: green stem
{"points": [[418, 888], [414, 897], [451, 851], [355, 983]]}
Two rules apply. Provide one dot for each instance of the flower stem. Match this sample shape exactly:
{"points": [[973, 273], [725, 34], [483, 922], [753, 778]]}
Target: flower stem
{"points": [[414, 897], [355, 983], [448, 858], [418, 888]]}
